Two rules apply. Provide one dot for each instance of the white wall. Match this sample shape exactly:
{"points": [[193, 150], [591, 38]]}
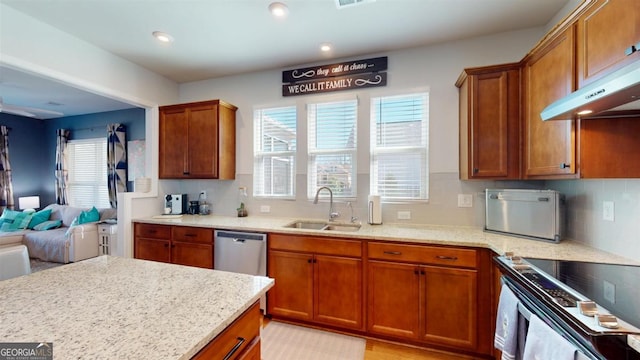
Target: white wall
{"points": [[434, 67]]}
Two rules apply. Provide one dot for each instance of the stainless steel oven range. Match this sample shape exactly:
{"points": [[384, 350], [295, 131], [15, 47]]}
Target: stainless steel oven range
{"points": [[593, 305]]}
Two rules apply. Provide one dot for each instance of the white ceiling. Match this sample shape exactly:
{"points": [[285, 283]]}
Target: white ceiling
{"points": [[215, 38]]}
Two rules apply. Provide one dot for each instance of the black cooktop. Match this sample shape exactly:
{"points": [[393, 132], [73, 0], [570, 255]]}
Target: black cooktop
{"points": [[614, 287]]}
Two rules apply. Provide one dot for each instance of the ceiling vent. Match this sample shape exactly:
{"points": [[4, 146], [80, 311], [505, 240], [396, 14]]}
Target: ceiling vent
{"points": [[346, 3]]}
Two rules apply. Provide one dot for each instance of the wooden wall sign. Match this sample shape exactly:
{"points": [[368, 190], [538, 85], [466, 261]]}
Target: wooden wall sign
{"points": [[335, 77]]}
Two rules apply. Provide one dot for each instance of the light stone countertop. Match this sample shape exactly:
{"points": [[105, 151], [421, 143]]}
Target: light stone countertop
{"points": [[118, 308], [424, 234]]}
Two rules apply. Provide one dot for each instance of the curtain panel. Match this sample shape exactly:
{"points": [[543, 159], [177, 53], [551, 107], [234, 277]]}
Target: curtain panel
{"points": [[116, 161], [6, 185], [61, 172]]}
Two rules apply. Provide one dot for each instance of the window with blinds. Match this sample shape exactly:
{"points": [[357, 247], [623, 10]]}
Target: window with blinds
{"points": [[87, 165], [275, 152], [332, 147], [399, 147]]}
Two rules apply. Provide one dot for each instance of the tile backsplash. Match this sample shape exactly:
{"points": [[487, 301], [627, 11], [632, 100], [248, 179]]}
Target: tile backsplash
{"points": [[585, 221]]}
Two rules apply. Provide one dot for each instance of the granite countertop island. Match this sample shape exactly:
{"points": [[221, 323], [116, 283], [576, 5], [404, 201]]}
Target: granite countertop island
{"points": [[118, 308], [424, 234]]}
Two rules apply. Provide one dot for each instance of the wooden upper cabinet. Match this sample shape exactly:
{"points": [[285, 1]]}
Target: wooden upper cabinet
{"points": [[605, 33], [490, 122], [197, 141], [549, 147]]}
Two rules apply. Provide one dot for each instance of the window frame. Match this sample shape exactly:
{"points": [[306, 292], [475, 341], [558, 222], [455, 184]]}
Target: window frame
{"points": [[423, 149], [97, 184], [259, 155]]}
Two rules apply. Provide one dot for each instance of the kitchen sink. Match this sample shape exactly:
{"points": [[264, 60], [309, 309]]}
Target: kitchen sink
{"points": [[342, 227], [304, 224], [323, 225]]}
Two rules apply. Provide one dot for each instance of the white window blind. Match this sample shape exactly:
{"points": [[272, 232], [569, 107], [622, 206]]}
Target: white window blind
{"points": [[332, 147], [274, 152], [87, 183], [399, 147]]}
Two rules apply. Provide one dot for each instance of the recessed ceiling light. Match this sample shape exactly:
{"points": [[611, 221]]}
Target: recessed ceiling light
{"points": [[278, 9], [325, 47], [162, 36]]}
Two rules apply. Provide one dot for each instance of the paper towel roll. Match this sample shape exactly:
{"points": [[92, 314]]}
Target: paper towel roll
{"points": [[375, 210]]}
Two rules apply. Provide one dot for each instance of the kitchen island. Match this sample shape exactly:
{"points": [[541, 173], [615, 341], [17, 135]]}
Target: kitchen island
{"points": [[118, 308]]}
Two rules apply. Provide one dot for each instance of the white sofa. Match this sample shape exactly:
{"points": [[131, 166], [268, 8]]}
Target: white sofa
{"points": [[68, 243]]}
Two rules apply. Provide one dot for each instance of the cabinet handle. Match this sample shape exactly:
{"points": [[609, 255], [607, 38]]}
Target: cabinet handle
{"points": [[422, 272], [415, 272], [166, 245], [309, 261], [447, 258], [235, 348], [476, 170], [393, 252], [564, 166], [630, 50], [190, 235], [152, 231]]}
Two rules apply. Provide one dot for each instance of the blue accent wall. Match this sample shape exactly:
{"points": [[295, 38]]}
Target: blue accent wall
{"points": [[32, 146]]}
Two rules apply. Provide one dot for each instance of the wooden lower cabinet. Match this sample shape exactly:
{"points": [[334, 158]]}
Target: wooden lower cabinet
{"points": [[315, 281], [239, 341], [430, 295], [182, 245], [424, 303]]}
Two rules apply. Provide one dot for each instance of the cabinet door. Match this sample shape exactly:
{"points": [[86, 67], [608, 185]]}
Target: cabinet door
{"points": [[494, 134], [449, 303], [605, 32], [152, 249], [292, 294], [202, 142], [393, 306], [338, 291], [192, 254], [549, 145], [173, 152]]}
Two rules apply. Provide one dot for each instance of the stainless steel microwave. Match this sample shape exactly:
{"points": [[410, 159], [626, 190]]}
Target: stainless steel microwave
{"points": [[535, 214]]}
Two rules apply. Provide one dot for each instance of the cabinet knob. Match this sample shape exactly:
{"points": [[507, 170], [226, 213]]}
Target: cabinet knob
{"points": [[476, 170], [564, 166]]}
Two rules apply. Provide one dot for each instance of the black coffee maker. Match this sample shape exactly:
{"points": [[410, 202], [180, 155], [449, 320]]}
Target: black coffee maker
{"points": [[194, 207]]}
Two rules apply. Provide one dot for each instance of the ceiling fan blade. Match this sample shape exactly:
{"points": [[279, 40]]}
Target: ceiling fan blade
{"points": [[5, 109], [25, 110]]}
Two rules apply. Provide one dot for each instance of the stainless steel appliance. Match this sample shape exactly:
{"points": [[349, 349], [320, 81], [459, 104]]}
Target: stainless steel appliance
{"points": [[536, 214], [593, 305], [616, 91], [241, 252], [177, 203]]}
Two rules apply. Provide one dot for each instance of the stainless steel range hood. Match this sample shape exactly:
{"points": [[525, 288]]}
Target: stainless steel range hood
{"points": [[617, 91]]}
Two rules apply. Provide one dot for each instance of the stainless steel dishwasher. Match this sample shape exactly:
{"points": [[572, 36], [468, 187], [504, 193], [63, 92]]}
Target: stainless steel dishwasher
{"points": [[241, 252]]}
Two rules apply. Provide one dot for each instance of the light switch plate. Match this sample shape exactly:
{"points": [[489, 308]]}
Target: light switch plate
{"points": [[608, 211], [465, 200], [265, 208]]}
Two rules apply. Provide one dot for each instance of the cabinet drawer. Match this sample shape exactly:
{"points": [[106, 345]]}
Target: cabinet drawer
{"points": [[422, 254], [192, 234], [234, 339], [317, 245], [153, 231]]}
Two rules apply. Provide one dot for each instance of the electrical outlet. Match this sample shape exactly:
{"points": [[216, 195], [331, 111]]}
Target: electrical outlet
{"points": [[465, 200], [609, 292], [608, 211], [404, 215], [265, 208], [203, 195]]}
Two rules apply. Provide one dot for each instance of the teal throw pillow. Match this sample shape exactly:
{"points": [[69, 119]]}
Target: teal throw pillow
{"points": [[89, 216], [39, 217], [8, 216], [20, 221], [47, 225]]}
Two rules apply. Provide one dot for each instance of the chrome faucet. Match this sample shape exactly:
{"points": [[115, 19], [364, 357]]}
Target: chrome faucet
{"points": [[332, 214]]}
